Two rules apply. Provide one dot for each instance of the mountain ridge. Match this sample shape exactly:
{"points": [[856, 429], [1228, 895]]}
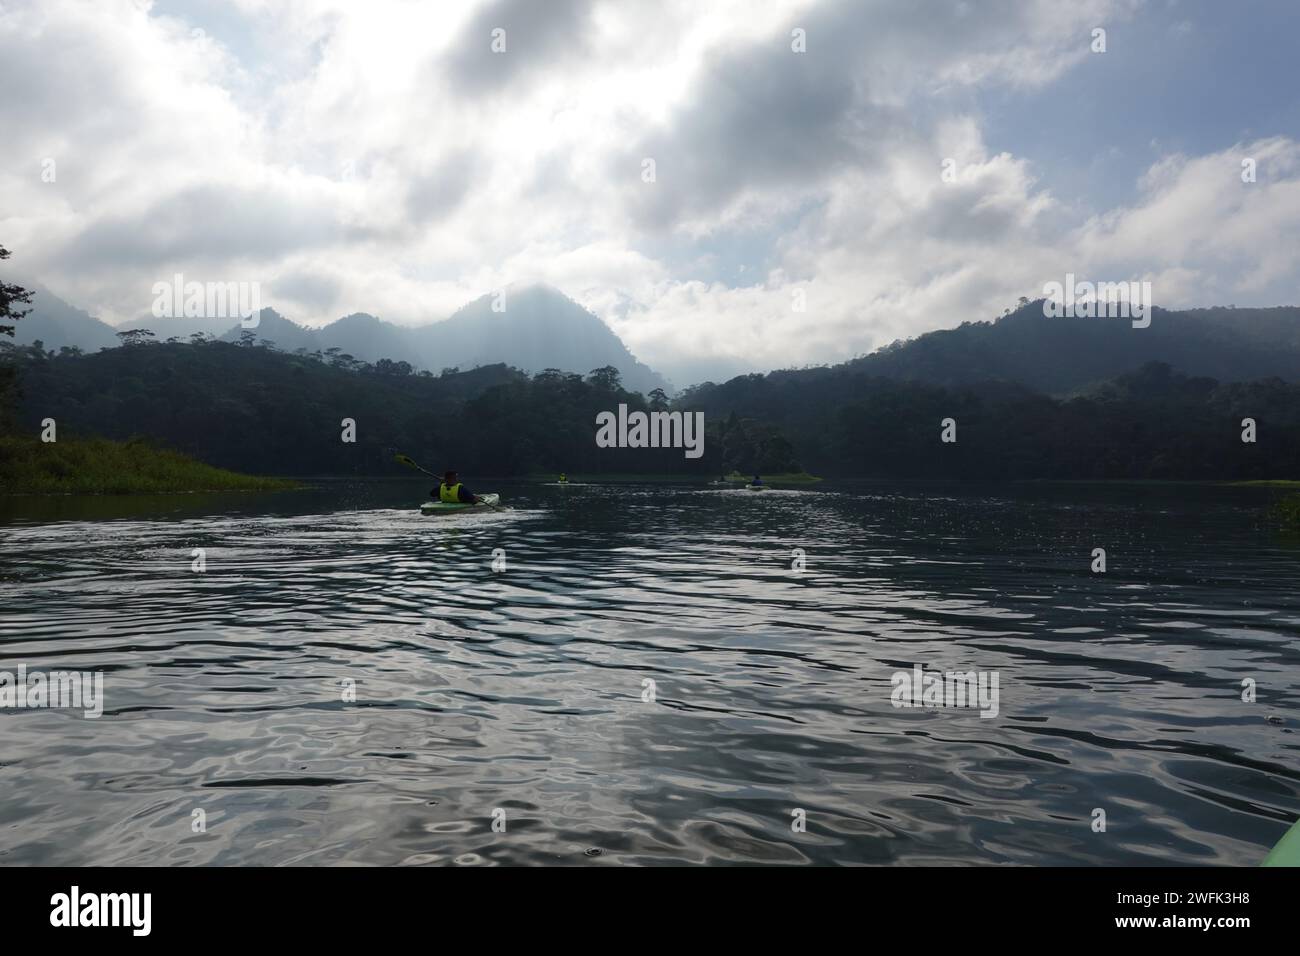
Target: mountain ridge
{"points": [[540, 328]]}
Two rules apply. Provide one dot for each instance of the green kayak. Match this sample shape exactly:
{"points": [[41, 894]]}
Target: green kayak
{"points": [[449, 507], [1287, 850]]}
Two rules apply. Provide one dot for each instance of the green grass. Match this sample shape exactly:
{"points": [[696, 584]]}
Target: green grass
{"points": [[1288, 511], [1269, 483], [97, 466]]}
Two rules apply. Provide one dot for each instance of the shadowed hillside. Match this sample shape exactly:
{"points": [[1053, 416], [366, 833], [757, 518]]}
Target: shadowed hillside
{"points": [[1059, 355]]}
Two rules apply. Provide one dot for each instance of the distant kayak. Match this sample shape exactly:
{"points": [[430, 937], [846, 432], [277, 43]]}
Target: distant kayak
{"points": [[757, 487], [448, 507], [1287, 850]]}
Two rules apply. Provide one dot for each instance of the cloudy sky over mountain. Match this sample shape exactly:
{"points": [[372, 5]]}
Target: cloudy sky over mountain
{"points": [[381, 157]]}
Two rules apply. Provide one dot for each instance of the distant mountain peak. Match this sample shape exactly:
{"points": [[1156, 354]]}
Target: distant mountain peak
{"points": [[536, 326], [541, 327]]}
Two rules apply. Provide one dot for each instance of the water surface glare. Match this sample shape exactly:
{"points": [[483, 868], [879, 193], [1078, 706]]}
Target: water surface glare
{"points": [[521, 690]]}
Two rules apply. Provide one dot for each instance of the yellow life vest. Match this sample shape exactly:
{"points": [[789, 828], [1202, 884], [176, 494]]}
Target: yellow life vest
{"points": [[449, 492]]}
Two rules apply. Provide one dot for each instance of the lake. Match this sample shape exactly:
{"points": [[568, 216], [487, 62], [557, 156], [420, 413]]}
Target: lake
{"points": [[648, 675]]}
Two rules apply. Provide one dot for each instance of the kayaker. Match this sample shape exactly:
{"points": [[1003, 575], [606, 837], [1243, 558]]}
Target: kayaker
{"points": [[757, 480], [451, 490], [564, 479]]}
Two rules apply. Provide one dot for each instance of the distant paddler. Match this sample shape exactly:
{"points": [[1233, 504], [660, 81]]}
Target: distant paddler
{"points": [[564, 479]]}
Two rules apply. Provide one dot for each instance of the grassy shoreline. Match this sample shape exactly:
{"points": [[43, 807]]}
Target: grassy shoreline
{"points": [[98, 466], [1288, 513]]}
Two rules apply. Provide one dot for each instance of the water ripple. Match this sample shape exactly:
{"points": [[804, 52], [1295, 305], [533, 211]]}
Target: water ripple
{"points": [[357, 684]]}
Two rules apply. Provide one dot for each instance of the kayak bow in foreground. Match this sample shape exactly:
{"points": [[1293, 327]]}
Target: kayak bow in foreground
{"points": [[1287, 850]]}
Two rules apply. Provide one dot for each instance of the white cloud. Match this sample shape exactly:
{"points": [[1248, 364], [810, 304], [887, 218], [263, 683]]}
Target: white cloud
{"points": [[366, 157]]}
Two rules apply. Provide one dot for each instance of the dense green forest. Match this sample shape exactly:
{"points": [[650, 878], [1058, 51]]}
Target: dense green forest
{"points": [[1152, 423], [255, 409], [249, 406]]}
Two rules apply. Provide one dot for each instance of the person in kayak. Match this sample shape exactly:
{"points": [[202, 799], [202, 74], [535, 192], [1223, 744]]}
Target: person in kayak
{"points": [[564, 479], [757, 480], [452, 491]]}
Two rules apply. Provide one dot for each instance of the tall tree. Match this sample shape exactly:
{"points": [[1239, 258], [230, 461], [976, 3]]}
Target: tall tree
{"points": [[606, 378], [11, 295]]}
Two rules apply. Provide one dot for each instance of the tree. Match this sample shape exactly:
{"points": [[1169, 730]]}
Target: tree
{"points": [[11, 295], [248, 338], [605, 379], [135, 336], [658, 400]]}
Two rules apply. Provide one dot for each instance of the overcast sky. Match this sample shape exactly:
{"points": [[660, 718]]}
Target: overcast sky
{"points": [[379, 156]]}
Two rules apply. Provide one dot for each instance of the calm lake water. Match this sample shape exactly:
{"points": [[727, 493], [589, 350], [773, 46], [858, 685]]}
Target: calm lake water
{"points": [[523, 690]]}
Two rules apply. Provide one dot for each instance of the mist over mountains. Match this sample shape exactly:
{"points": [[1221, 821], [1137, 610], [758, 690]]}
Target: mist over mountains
{"points": [[542, 328], [60, 325], [539, 328]]}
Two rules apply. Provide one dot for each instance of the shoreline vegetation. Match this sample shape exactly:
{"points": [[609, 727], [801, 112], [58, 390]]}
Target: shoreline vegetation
{"points": [[614, 478], [1288, 512], [98, 466]]}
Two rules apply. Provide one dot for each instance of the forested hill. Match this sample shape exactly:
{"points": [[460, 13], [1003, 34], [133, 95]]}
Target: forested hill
{"points": [[1060, 355], [877, 415], [258, 410], [1153, 423]]}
